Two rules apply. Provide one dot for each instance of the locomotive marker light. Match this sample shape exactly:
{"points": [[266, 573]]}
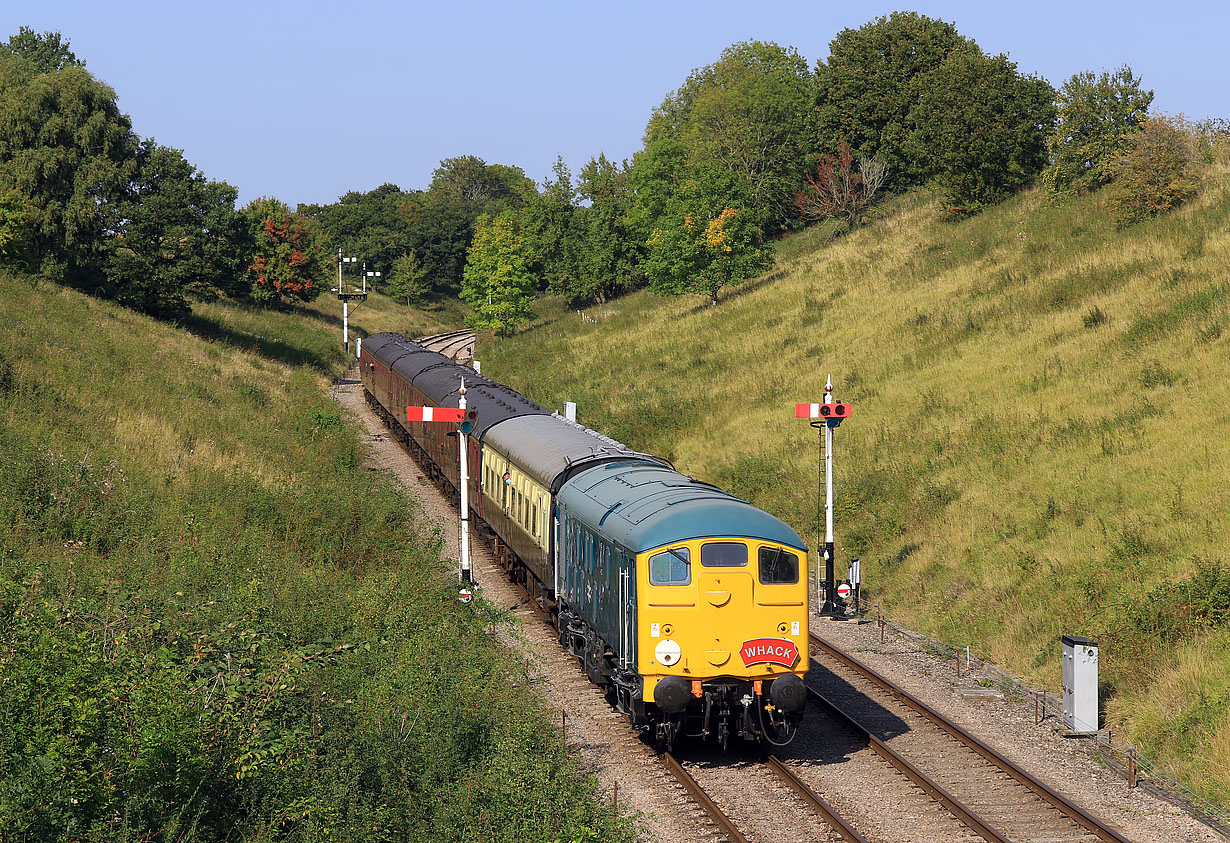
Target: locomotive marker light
{"points": [[829, 415]]}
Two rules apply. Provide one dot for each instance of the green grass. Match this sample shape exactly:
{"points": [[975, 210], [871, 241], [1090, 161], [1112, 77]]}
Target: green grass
{"points": [[215, 623], [1039, 444]]}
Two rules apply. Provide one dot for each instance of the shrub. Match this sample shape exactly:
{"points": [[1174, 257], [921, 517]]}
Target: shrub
{"points": [[1157, 173]]}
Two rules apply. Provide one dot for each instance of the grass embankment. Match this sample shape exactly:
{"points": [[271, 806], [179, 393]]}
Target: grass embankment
{"points": [[1040, 445], [215, 624]]}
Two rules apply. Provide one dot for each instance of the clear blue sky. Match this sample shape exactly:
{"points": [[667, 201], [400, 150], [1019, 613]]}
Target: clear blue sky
{"points": [[307, 100]]}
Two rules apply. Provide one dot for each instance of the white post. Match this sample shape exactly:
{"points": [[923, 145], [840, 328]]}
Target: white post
{"points": [[358, 347], [465, 574], [345, 324], [570, 410], [478, 367], [828, 470]]}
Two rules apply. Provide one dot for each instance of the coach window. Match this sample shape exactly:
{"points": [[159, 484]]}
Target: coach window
{"points": [[778, 566], [723, 555], [671, 567]]}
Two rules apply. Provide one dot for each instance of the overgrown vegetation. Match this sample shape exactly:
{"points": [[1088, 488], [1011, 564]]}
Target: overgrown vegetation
{"points": [[1039, 446], [215, 624]]}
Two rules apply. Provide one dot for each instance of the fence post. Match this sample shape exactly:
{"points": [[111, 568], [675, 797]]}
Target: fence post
{"points": [[1131, 759]]}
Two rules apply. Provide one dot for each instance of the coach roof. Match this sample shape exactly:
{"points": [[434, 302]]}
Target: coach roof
{"points": [[551, 449]]}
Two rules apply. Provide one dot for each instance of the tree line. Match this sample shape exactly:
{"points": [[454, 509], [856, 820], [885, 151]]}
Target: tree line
{"points": [[750, 147], [87, 202]]}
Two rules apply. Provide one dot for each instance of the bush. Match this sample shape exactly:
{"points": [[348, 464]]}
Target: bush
{"points": [[1157, 174]]}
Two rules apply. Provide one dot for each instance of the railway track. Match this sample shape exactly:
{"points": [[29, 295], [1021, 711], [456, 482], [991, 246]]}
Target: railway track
{"points": [[455, 345], [979, 794], [989, 794]]}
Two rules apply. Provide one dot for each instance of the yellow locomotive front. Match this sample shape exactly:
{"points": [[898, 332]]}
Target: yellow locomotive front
{"points": [[722, 632]]}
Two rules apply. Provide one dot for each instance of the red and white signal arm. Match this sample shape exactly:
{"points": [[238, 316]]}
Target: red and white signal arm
{"points": [[844, 590], [839, 410], [434, 414]]}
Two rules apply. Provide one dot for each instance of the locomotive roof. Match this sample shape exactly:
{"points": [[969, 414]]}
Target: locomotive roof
{"points": [[643, 506], [551, 449], [439, 378]]}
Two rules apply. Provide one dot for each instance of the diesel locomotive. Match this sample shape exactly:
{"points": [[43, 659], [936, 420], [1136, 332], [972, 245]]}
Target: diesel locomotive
{"points": [[687, 604]]}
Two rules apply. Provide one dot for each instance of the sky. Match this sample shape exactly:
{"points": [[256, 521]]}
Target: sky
{"points": [[307, 100]]}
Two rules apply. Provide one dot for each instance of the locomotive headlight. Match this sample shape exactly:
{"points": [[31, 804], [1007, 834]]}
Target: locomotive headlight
{"points": [[667, 652], [783, 627]]}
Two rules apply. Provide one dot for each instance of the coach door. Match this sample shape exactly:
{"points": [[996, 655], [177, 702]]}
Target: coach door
{"points": [[627, 611]]}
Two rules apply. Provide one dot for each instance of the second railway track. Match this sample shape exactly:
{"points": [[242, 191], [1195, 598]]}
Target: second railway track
{"points": [[984, 790]]}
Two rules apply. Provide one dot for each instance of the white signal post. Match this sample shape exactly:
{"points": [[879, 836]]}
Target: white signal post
{"points": [[465, 574], [346, 297], [464, 420], [830, 414]]}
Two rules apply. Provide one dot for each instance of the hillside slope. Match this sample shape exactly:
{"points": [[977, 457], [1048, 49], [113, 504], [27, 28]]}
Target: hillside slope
{"points": [[1041, 444], [216, 624]]}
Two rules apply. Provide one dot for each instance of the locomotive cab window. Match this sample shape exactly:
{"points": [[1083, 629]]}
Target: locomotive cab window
{"points": [[778, 566], [671, 567], [723, 555]]}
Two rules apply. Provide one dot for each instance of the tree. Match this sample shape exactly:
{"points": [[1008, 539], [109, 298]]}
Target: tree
{"points": [[15, 215], [1097, 118], [289, 262], [866, 92], [841, 187], [489, 187], [610, 252], [548, 222], [176, 235], [702, 248], [407, 279], [46, 53], [368, 225], [498, 283], [982, 126], [1157, 173], [66, 149], [749, 115]]}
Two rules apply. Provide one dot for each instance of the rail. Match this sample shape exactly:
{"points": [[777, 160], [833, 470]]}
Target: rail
{"points": [[1065, 806]]}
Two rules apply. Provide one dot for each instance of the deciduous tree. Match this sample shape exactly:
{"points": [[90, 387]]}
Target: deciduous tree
{"points": [[702, 248], [841, 186], [750, 115], [982, 127], [498, 283], [176, 236], [289, 262], [1097, 118], [1157, 173], [69, 152], [867, 90], [407, 279]]}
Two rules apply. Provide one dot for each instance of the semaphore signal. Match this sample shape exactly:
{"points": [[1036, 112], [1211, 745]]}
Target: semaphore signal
{"points": [[829, 414]]}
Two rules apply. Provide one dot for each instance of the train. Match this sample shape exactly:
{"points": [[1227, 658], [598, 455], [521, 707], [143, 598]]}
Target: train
{"points": [[686, 604]]}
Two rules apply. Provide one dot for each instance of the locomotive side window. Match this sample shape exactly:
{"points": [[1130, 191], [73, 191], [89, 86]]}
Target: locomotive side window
{"points": [[778, 566], [723, 555], [671, 567]]}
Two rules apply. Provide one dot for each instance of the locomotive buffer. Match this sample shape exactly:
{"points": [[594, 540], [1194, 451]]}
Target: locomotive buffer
{"points": [[828, 415]]}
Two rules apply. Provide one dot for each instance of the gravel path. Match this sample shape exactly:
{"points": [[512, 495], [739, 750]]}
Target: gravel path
{"points": [[604, 743]]}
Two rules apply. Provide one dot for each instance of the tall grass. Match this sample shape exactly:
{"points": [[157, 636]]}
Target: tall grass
{"points": [[1039, 446], [216, 624]]}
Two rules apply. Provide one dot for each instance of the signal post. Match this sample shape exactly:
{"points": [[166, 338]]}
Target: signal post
{"points": [[828, 416], [464, 419]]}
